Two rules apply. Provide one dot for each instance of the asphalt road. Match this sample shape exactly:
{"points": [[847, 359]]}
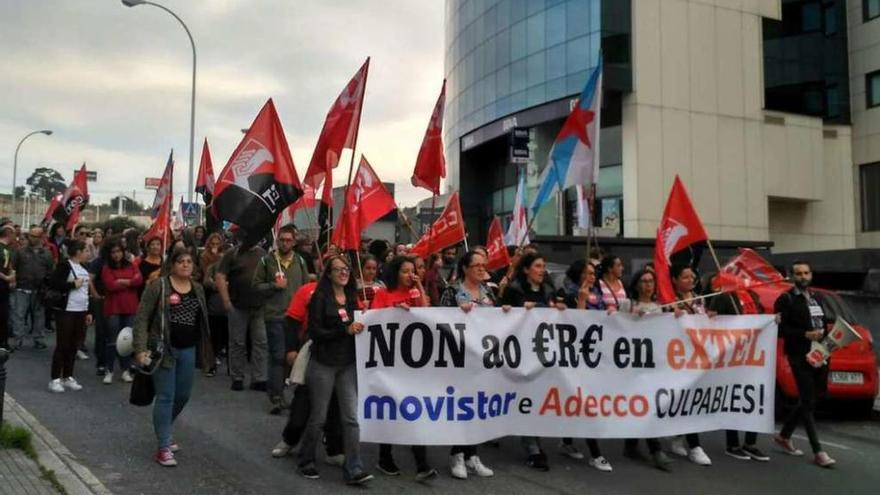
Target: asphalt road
{"points": [[227, 436]]}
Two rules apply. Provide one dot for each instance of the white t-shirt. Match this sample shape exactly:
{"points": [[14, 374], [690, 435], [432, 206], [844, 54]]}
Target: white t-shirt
{"points": [[78, 299]]}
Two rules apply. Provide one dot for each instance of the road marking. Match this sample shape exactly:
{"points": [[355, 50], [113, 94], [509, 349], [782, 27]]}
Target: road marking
{"points": [[835, 445]]}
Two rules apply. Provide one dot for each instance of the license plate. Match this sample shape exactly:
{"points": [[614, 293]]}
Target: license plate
{"points": [[847, 377]]}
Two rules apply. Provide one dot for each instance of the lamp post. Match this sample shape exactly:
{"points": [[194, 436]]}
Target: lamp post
{"points": [[15, 163], [192, 108]]}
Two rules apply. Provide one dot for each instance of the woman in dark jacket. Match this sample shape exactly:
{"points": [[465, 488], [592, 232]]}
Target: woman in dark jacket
{"points": [[332, 366], [172, 319], [70, 281]]}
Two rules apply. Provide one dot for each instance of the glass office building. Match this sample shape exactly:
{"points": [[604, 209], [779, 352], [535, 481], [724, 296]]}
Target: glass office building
{"points": [[519, 64]]}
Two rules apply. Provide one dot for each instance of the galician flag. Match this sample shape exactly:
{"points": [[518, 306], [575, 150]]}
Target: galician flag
{"points": [[518, 230], [574, 157]]}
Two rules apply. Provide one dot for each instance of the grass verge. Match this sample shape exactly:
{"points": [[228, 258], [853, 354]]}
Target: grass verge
{"points": [[16, 437]]}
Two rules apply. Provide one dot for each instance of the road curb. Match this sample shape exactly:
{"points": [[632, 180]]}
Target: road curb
{"points": [[53, 455]]}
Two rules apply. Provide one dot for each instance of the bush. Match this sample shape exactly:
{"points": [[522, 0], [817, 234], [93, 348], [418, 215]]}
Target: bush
{"points": [[15, 437]]}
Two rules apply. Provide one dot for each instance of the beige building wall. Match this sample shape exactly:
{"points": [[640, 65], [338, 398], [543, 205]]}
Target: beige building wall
{"points": [[864, 57], [696, 111]]}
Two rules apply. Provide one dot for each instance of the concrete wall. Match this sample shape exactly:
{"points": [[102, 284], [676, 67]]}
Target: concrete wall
{"points": [[864, 56], [697, 111]]}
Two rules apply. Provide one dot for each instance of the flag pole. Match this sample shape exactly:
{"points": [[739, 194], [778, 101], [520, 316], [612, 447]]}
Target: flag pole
{"points": [[275, 252], [408, 224], [718, 293], [433, 219], [718, 265], [361, 272]]}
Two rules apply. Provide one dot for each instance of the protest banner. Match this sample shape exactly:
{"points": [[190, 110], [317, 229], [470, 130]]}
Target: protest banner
{"points": [[440, 376]]}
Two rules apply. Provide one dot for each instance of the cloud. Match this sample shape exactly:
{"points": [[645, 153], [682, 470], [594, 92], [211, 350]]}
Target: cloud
{"points": [[114, 82]]}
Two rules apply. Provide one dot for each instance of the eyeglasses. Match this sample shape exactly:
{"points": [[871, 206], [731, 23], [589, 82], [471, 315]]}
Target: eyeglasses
{"points": [[341, 269]]}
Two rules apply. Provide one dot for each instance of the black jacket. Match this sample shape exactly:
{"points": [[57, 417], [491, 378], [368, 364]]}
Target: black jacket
{"points": [[796, 321], [60, 287], [515, 295], [331, 343]]}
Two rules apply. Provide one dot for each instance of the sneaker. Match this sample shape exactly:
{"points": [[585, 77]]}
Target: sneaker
{"points": [[755, 453], [359, 479], [281, 449], [211, 373], [127, 377], [822, 459], [538, 461], [475, 465], [165, 458], [426, 473], [82, 356], [570, 451], [677, 447], [237, 385], [309, 472], [71, 383], [786, 446], [39, 345], [55, 386], [174, 447], [661, 461], [737, 453], [388, 467], [108, 378], [258, 386], [457, 467], [337, 460], [699, 457], [600, 463]]}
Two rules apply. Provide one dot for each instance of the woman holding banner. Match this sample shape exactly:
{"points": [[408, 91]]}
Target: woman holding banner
{"points": [[470, 292], [683, 281], [332, 367], [403, 289]]}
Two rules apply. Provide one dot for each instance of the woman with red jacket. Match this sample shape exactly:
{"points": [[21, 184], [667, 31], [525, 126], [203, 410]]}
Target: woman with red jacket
{"points": [[121, 279]]}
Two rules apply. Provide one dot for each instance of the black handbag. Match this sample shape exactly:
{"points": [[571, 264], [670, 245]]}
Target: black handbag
{"points": [[142, 390]]}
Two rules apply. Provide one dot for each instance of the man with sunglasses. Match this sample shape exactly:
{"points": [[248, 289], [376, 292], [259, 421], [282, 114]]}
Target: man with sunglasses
{"points": [[33, 264]]}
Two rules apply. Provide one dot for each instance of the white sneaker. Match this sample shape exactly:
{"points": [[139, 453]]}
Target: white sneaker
{"points": [[281, 449], [108, 378], [457, 467], [476, 466], [82, 356], [70, 383], [126, 376], [570, 451], [698, 457], [55, 386], [335, 460], [600, 463], [677, 447]]}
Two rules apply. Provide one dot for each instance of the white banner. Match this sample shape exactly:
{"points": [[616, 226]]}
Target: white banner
{"points": [[439, 376]]}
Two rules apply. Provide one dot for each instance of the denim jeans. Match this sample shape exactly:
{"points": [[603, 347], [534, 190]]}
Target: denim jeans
{"points": [[115, 323], [173, 387], [277, 367], [239, 322], [28, 303], [322, 380]]}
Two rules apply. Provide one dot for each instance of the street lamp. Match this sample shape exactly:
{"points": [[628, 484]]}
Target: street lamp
{"points": [[192, 112], [15, 162]]}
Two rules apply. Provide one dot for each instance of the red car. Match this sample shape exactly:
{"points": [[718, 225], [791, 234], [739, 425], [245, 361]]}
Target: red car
{"points": [[853, 372]]}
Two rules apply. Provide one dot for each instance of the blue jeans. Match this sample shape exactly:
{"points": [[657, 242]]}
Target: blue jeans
{"points": [[173, 387], [28, 315], [115, 323], [277, 371]]}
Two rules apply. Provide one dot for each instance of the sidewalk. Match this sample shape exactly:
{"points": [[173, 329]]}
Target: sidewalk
{"points": [[20, 475]]}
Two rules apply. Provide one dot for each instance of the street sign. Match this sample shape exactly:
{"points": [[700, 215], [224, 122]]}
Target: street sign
{"points": [[152, 182], [519, 145], [191, 213], [91, 175]]}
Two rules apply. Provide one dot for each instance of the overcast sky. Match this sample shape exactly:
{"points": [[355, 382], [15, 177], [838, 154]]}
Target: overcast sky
{"points": [[113, 82]]}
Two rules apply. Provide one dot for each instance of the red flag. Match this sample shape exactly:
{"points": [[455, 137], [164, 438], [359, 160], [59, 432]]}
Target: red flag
{"points": [[340, 130], [446, 231], [165, 186], [679, 228], [50, 212], [205, 180], [73, 199], [366, 201], [161, 223], [756, 274], [498, 257], [431, 163], [260, 179]]}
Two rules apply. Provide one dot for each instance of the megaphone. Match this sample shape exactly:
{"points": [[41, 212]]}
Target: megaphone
{"points": [[841, 335], [125, 342]]}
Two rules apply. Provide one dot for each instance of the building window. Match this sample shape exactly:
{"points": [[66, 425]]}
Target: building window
{"points": [[870, 9], [872, 88], [870, 191]]}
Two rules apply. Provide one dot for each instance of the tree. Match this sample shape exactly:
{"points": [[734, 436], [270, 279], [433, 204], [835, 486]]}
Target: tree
{"points": [[129, 204], [46, 183], [19, 192], [119, 224]]}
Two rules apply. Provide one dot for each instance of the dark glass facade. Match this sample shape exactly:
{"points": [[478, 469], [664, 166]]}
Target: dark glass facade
{"points": [[806, 61]]}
